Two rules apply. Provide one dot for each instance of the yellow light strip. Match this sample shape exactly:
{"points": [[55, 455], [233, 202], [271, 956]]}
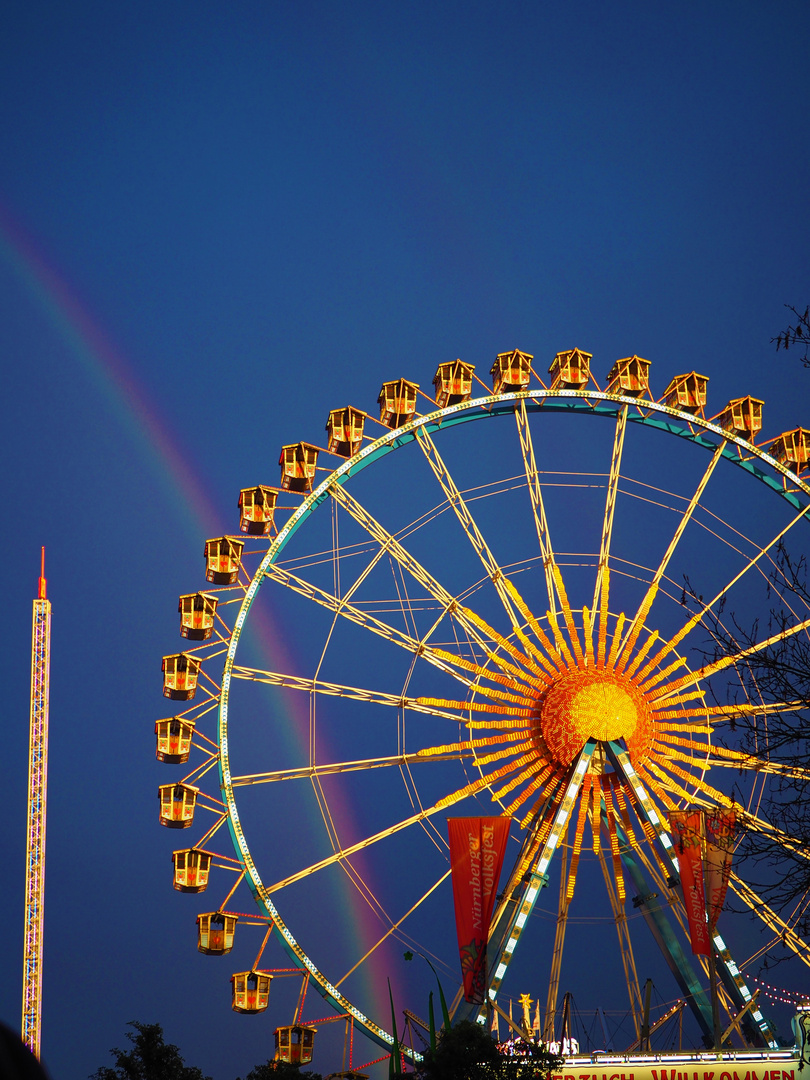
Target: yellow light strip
{"points": [[537, 782], [507, 646], [617, 637], [479, 670], [737, 759], [610, 814], [474, 706], [646, 604], [457, 747], [660, 676], [751, 709], [553, 656], [596, 816], [621, 802], [700, 784], [562, 644], [668, 647], [582, 817], [691, 696], [695, 760], [499, 755], [549, 772], [610, 503], [518, 722], [476, 786], [636, 627], [535, 493], [642, 652], [677, 736], [603, 617], [587, 633], [665, 731], [568, 615], [649, 774], [456, 501]]}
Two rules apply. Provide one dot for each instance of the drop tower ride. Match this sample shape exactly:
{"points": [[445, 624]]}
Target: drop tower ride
{"points": [[37, 797]]}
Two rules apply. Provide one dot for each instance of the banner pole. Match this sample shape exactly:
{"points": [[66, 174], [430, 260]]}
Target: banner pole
{"points": [[715, 998]]}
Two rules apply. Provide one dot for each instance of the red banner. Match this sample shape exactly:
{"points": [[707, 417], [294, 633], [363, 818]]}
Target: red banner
{"points": [[477, 848], [686, 833], [720, 829]]}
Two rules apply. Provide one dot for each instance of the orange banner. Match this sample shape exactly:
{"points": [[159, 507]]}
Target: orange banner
{"points": [[720, 829], [477, 848], [686, 833]]}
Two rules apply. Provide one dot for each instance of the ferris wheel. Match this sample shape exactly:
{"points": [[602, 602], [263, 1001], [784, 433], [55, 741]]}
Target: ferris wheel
{"points": [[501, 600]]}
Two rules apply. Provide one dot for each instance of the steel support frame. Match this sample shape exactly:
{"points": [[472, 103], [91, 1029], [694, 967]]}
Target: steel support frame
{"points": [[757, 1027]]}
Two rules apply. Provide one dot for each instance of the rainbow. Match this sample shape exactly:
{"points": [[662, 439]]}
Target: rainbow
{"points": [[141, 419]]}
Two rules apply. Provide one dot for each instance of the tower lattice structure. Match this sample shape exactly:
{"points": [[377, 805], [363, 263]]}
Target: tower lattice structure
{"points": [[37, 797]]}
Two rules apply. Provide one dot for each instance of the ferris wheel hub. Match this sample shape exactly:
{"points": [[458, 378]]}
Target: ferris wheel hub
{"points": [[593, 704]]}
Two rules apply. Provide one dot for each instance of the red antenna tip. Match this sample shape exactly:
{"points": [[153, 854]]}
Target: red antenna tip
{"points": [[42, 582]]}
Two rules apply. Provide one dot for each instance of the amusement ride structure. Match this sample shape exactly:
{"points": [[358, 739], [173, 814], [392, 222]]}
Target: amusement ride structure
{"points": [[37, 799], [504, 601]]}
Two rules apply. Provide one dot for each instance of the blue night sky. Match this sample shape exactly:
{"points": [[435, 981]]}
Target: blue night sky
{"points": [[220, 221]]}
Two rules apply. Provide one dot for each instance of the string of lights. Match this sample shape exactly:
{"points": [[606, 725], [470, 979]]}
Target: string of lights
{"points": [[776, 993]]}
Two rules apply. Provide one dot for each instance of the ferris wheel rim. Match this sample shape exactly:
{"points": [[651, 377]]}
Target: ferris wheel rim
{"points": [[581, 402]]}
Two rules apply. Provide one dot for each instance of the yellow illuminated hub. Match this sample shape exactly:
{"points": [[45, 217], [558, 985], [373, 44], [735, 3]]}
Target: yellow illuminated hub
{"points": [[592, 704], [539, 701]]}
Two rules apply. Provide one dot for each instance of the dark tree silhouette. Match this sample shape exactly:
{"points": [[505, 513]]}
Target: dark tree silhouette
{"points": [[468, 1052], [797, 335], [780, 673], [280, 1070], [780, 873], [149, 1059]]}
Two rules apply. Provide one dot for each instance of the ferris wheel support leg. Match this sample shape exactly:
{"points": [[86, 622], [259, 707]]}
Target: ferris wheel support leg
{"points": [[527, 879], [758, 1028], [667, 942]]}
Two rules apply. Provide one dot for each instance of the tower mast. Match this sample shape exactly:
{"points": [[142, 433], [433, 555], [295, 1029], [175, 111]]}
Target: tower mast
{"points": [[37, 793]]}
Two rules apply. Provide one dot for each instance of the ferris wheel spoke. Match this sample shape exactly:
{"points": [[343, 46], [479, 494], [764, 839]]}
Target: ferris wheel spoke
{"points": [[524, 659], [309, 772], [414, 819], [524, 688], [655, 785], [780, 838], [568, 617], [395, 926], [547, 776], [732, 759], [757, 905], [690, 624], [377, 697], [536, 496], [643, 611], [465, 518], [342, 607], [726, 712], [679, 780], [726, 661], [393, 547], [610, 504]]}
